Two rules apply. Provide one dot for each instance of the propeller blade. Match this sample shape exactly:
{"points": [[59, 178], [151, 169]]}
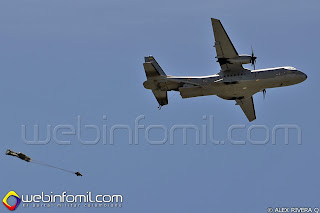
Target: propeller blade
{"points": [[253, 59], [264, 91]]}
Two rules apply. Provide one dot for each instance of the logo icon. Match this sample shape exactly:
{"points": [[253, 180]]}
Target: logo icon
{"points": [[18, 200]]}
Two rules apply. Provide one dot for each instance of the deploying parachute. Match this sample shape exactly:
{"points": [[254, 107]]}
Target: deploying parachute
{"points": [[19, 155], [24, 157]]}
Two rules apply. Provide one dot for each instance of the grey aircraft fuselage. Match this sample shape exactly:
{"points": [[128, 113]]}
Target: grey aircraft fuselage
{"points": [[233, 82], [227, 85]]}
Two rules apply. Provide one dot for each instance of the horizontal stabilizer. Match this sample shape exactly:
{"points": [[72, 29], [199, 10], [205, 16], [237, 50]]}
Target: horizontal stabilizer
{"points": [[161, 96]]}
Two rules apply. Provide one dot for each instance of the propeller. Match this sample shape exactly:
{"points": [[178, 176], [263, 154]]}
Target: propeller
{"points": [[264, 91], [253, 59]]}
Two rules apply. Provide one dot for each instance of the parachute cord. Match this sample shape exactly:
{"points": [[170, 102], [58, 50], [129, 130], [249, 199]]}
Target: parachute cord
{"points": [[44, 164], [172, 95]]}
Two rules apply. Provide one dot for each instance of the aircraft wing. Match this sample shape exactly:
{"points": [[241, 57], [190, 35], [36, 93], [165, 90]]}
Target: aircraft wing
{"points": [[247, 107], [224, 47]]}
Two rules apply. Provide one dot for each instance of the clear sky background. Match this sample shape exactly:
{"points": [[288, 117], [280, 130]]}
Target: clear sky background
{"points": [[63, 59]]}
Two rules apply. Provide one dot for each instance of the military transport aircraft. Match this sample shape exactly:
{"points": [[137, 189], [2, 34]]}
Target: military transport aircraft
{"points": [[233, 82]]}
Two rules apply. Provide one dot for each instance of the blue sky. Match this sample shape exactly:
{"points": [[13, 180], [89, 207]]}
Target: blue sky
{"points": [[63, 59]]}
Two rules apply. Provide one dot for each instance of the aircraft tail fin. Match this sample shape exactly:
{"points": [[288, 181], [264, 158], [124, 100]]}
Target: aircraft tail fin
{"points": [[152, 68], [153, 72]]}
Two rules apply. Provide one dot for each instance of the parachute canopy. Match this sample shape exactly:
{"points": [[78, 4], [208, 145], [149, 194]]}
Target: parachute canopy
{"points": [[24, 157], [19, 155]]}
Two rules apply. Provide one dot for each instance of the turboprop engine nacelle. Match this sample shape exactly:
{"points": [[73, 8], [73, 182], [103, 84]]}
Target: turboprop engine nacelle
{"points": [[241, 59]]}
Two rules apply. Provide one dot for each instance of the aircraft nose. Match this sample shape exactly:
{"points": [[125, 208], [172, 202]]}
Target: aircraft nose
{"points": [[303, 76]]}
